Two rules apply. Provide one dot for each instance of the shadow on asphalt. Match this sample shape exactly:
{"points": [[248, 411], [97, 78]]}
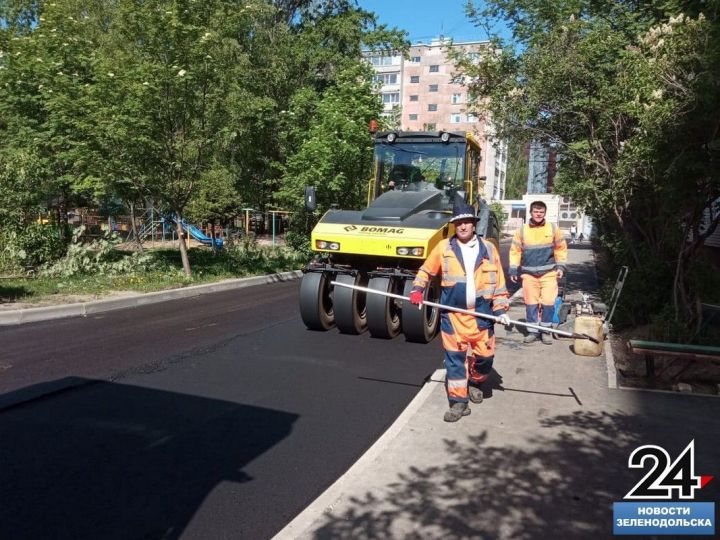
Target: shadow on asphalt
{"points": [[118, 461], [560, 486]]}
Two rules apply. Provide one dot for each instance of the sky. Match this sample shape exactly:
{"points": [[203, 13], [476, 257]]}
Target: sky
{"points": [[426, 19]]}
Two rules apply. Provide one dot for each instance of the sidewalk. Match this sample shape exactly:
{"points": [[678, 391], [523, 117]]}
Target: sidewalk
{"points": [[544, 456]]}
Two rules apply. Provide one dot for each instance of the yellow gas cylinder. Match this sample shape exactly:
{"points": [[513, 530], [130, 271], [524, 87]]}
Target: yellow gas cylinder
{"points": [[592, 326]]}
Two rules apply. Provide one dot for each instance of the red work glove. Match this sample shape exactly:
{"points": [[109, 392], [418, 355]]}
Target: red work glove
{"points": [[416, 297]]}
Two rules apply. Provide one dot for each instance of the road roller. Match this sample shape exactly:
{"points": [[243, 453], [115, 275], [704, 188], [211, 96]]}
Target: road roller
{"points": [[416, 177]]}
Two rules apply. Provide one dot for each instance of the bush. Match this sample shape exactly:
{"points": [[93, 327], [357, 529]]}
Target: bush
{"points": [[31, 247], [98, 257], [299, 242], [646, 298], [499, 212], [247, 257]]}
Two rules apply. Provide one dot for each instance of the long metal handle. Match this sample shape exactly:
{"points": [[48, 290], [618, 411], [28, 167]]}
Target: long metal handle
{"points": [[615, 296], [467, 312]]}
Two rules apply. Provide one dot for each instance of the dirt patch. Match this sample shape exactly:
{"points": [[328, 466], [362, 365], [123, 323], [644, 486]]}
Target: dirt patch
{"points": [[672, 374], [60, 299]]}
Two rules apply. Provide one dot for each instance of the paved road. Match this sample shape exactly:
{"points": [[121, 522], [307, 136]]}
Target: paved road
{"points": [[217, 416]]}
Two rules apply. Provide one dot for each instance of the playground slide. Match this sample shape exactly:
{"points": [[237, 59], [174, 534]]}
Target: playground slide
{"points": [[197, 234]]}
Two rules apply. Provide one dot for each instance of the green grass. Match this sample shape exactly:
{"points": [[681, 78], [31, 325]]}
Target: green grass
{"points": [[166, 273]]}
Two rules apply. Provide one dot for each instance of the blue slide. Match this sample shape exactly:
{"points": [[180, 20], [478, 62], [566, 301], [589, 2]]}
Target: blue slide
{"points": [[197, 234]]}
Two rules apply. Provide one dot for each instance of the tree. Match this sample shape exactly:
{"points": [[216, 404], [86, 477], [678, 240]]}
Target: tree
{"points": [[624, 92], [327, 121], [517, 173], [131, 101], [47, 57], [295, 67], [336, 156], [215, 201], [172, 70]]}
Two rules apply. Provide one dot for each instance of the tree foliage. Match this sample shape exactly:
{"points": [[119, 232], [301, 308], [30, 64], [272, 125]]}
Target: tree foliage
{"points": [[186, 103], [626, 92], [517, 170]]}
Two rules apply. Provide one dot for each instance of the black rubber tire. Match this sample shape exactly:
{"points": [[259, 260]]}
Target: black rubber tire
{"points": [[316, 303], [383, 313], [350, 313], [421, 325]]}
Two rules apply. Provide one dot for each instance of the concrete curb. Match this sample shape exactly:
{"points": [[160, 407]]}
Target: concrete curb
{"points": [[83, 309], [673, 392], [302, 525], [610, 363]]}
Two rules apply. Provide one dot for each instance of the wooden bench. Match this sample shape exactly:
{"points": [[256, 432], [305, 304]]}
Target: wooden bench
{"points": [[652, 349]]}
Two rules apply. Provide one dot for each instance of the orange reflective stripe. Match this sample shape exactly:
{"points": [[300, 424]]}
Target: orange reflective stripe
{"points": [[457, 388]]}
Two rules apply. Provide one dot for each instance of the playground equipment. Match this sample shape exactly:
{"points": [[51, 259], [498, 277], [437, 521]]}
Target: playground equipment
{"points": [[196, 233]]}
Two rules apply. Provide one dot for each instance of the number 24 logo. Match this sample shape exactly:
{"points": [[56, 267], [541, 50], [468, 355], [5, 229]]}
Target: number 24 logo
{"points": [[665, 478]]}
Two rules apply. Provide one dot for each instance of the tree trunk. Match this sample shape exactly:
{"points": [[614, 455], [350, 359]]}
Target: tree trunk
{"points": [[136, 235], [183, 246]]}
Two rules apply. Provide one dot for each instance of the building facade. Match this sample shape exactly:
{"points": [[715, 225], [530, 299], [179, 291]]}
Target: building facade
{"points": [[542, 166], [423, 92]]}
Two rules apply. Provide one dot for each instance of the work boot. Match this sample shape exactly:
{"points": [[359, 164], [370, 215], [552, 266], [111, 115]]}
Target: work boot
{"points": [[547, 338], [530, 338], [475, 393], [457, 411]]}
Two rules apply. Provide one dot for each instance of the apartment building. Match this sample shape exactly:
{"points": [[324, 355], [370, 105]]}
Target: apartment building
{"points": [[423, 92]]}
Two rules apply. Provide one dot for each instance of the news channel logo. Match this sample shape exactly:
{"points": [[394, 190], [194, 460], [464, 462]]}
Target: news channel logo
{"points": [[660, 503]]}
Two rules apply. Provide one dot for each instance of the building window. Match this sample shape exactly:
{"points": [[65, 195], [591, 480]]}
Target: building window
{"points": [[385, 60], [433, 88], [386, 78], [415, 59], [455, 118], [432, 107], [430, 127], [472, 117], [415, 78], [391, 97], [434, 69], [414, 98], [457, 98], [412, 117]]}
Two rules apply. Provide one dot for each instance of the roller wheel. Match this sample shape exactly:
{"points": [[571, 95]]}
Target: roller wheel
{"points": [[383, 312], [420, 325], [316, 303], [350, 313]]}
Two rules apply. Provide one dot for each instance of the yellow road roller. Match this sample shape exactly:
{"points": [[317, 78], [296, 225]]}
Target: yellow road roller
{"points": [[417, 175]]}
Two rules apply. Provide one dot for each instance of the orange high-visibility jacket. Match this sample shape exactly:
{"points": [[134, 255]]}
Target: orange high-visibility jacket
{"points": [[536, 250], [491, 295]]}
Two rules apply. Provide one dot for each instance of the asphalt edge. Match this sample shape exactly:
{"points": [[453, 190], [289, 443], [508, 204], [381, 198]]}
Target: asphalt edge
{"points": [[83, 309], [303, 523], [612, 376]]}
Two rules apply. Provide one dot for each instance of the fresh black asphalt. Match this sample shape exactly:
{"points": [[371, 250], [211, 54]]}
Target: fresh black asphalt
{"points": [[218, 416]]}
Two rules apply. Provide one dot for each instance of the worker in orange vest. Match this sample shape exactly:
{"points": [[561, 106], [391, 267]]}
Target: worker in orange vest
{"points": [[471, 277], [538, 254]]}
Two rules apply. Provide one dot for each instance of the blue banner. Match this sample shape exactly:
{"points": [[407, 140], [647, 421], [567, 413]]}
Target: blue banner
{"points": [[663, 518]]}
